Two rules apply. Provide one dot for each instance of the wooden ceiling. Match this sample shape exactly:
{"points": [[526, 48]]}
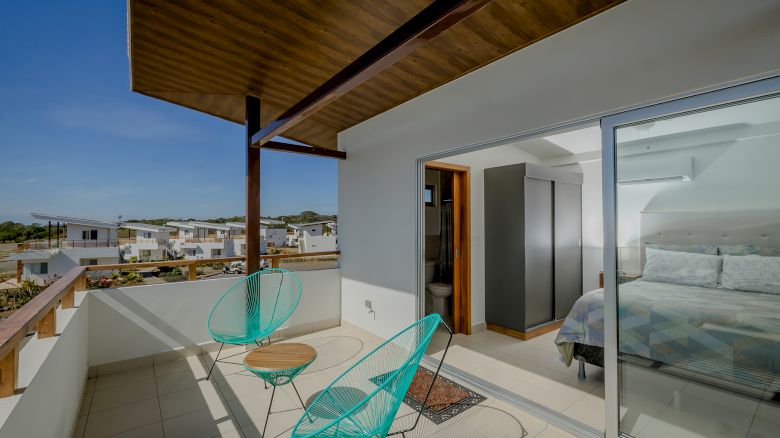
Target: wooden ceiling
{"points": [[208, 55]]}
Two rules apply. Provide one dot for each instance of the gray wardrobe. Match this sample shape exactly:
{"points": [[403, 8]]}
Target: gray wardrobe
{"points": [[533, 251]]}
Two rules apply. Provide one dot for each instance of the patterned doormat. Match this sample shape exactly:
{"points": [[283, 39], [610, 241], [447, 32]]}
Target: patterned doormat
{"points": [[447, 398]]}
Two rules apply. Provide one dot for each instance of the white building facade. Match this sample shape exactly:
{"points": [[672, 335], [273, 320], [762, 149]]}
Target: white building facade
{"points": [[87, 242]]}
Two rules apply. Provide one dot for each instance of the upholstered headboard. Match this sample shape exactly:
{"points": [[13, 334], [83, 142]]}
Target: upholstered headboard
{"points": [[755, 227]]}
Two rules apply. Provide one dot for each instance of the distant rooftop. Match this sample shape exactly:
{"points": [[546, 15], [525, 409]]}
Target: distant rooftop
{"points": [[312, 223], [74, 220], [210, 225], [184, 225], [139, 226]]}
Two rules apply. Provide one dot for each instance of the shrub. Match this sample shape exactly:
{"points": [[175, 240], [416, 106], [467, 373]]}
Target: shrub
{"points": [[133, 278]]}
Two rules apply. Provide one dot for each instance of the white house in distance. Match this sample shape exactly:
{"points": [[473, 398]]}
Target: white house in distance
{"points": [[87, 242], [313, 238], [269, 237], [273, 237], [151, 242], [203, 240]]}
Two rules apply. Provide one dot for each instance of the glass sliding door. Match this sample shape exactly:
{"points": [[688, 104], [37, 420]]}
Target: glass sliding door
{"points": [[692, 266]]}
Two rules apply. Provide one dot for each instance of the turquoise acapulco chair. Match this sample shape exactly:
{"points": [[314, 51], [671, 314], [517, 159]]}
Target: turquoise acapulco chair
{"points": [[364, 400], [253, 308]]}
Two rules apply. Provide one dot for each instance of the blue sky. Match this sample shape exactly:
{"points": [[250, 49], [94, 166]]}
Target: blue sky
{"points": [[75, 141]]}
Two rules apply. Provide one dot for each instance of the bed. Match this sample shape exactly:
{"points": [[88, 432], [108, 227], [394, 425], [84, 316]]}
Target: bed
{"points": [[726, 335], [713, 334]]}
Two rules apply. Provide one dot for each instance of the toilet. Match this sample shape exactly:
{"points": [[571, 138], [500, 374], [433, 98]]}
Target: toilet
{"points": [[439, 292]]}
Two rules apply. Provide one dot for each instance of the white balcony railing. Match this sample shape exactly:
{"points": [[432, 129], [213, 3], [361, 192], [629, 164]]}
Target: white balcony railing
{"points": [[97, 327]]}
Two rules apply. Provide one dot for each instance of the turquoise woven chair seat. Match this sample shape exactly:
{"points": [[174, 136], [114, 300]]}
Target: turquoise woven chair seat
{"points": [[254, 307], [364, 400]]}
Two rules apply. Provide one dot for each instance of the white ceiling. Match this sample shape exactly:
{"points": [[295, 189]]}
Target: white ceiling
{"points": [[752, 113], [578, 141], [564, 144]]}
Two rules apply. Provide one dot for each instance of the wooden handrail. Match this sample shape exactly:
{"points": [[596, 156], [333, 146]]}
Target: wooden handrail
{"points": [[179, 263], [39, 315]]}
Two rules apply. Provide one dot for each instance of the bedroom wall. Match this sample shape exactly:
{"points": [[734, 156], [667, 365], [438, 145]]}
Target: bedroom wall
{"points": [[478, 162], [638, 52], [735, 175]]}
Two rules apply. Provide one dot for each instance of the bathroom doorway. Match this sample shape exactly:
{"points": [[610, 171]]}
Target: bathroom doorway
{"points": [[447, 244]]}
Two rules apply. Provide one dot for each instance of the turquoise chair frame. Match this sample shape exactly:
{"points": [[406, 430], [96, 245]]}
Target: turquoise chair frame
{"points": [[342, 409], [253, 308]]}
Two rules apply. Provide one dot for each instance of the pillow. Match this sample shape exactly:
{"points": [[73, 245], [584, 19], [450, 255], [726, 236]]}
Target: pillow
{"points": [[698, 249], [769, 252], [751, 273], [682, 268], [739, 250], [747, 249]]}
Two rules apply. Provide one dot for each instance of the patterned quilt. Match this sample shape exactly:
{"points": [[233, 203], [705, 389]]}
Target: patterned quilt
{"points": [[724, 334]]}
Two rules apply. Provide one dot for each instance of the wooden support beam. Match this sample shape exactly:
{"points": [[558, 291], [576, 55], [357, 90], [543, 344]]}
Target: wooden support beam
{"points": [[430, 22], [274, 263], [19, 271], [192, 272], [47, 326], [305, 150], [9, 372], [252, 187]]}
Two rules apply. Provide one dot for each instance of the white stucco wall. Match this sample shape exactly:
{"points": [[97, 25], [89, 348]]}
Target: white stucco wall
{"points": [[275, 236], [103, 234], [52, 371], [638, 52], [63, 260], [478, 162], [318, 243], [145, 320]]}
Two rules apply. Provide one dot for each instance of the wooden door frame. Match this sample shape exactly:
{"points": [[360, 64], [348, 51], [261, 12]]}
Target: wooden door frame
{"points": [[461, 260]]}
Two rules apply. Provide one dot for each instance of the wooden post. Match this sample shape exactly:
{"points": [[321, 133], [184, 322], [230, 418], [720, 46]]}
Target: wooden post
{"points": [[275, 262], [81, 283], [19, 271], [69, 299], [47, 326], [9, 371], [252, 187], [192, 271]]}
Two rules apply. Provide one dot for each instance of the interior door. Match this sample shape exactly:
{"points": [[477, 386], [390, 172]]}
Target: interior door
{"points": [[568, 248]]}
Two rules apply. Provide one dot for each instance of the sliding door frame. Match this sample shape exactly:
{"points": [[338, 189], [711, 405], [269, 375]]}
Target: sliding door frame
{"points": [[763, 83], [700, 102]]}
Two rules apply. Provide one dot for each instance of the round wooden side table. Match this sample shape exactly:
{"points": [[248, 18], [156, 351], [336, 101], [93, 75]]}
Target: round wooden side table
{"points": [[278, 364]]}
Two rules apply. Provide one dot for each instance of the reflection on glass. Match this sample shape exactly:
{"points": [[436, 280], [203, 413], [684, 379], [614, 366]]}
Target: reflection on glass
{"points": [[699, 226]]}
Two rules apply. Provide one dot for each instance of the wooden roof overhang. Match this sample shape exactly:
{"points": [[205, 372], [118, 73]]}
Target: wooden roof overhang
{"points": [[296, 55]]}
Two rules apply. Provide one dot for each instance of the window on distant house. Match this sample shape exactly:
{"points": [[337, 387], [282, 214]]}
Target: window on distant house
{"points": [[148, 234], [89, 262], [89, 234], [38, 268], [216, 252]]}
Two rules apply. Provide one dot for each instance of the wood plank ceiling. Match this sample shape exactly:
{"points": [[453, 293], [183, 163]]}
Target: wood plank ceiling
{"points": [[208, 55]]}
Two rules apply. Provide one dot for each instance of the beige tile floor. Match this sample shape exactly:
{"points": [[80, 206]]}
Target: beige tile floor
{"points": [[653, 404], [173, 399], [531, 369]]}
